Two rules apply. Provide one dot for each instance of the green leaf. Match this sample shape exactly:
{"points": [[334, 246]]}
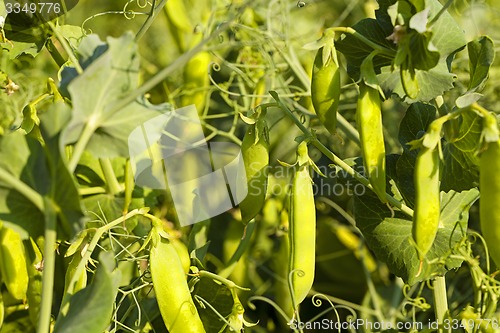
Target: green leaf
{"points": [[219, 296], [467, 99], [481, 57], [460, 170], [90, 309], [42, 169], [389, 237], [431, 83], [104, 82], [356, 51]]}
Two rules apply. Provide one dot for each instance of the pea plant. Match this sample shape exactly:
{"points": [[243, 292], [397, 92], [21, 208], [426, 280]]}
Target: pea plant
{"points": [[369, 143]]}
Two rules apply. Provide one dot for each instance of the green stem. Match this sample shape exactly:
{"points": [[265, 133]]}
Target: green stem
{"points": [[91, 190], [112, 183], [152, 16], [49, 261], [67, 48], [80, 146], [21, 187], [335, 159], [349, 130], [228, 283], [440, 300]]}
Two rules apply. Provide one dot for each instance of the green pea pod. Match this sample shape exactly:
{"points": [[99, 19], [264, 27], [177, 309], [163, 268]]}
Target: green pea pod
{"points": [[13, 263], [369, 121], [196, 81], [70, 272], [182, 252], [255, 153], [302, 224], [2, 308], [34, 292], [427, 201], [489, 185], [325, 89], [172, 292]]}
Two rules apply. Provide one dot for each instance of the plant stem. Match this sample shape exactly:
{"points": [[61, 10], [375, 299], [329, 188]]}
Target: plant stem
{"points": [[335, 159], [228, 283], [440, 300], [80, 146], [67, 48], [91, 190], [151, 17], [112, 183], [34, 197], [49, 260]]}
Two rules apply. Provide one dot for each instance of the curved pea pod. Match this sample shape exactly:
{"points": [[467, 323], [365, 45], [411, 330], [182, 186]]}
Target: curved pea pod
{"points": [[280, 265], [2, 308], [325, 88], [255, 153], [81, 281], [369, 121], [172, 292], [302, 228], [13, 263], [489, 185], [427, 201], [196, 81], [35, 267]]}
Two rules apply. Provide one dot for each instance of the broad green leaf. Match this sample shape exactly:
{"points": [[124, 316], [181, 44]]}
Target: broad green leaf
{"points": [[43, 170], [467, 99], [389, 237], [105, 81], [460, 171], [356, 51], [90, 309], [219, 297], [432, 83], [481, 57]]}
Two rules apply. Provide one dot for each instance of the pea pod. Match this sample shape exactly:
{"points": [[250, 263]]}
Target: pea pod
{"points": [[182, 252], [13, 263], [427, 202], [34, 292], [196, 81], [70, 272], [255, 153], [172, 292], [369, 121], [489, 185], [2, 308], [302, 224], [325, 88]]}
